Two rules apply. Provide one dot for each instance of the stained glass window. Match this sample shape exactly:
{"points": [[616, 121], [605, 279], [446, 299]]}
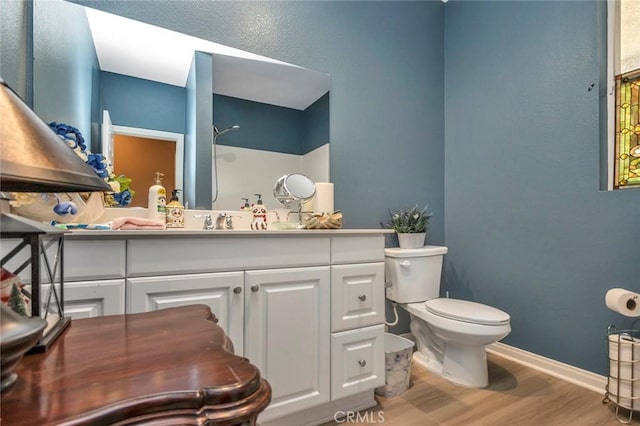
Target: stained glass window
{"points": [[624, 88], [627, 142]]}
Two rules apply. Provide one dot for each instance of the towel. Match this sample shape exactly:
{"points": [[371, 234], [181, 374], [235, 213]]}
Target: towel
{"points": [[131, 223]]}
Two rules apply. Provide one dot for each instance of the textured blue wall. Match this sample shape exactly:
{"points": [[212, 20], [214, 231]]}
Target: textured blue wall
{"points": [[135, 102], [64, 76], [317, 124], [262, 126], [16, 47], [527, 227]]}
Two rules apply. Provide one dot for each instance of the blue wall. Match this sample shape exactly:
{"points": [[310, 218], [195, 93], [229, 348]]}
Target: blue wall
{"points": [[317, 124], [135, 102], [65, 79], [16, 47], [527, 227], [262, 126]]}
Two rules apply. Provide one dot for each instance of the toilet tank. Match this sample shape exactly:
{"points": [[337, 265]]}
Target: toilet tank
{"points": [[413, 275]]}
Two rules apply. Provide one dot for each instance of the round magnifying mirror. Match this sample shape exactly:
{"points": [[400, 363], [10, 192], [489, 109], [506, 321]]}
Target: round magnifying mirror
{"points": [[299, 186], [292, 190]]}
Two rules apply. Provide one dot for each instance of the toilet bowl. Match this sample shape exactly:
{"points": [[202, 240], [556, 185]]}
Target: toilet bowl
{"points": [[451, 334], [455, 347]]}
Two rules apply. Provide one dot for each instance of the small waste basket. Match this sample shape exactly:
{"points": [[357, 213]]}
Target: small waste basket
{"points": [[398, 352]]}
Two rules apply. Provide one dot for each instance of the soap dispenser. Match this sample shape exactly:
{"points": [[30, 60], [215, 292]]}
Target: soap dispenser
{"points": [[157, 200], [259, 211], [175, 211], [246, 206]]}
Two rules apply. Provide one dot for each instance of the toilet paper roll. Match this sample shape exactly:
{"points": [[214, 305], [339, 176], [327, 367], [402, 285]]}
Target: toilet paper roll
{"points": [[624, 393], [622, 347], [623, 301], [323, 200]]}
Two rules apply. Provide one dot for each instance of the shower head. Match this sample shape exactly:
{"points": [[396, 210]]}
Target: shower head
{"points": [[217, 132]]}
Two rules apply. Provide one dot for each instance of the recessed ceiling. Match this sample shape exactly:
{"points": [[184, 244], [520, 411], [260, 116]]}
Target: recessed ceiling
{"points": [[129, 47]]}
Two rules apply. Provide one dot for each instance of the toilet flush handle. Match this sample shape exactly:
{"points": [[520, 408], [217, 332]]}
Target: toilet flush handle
{"points": [[405, 263]]}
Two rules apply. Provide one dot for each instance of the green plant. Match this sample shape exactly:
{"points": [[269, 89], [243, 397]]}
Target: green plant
{"points": [[409, 221]]}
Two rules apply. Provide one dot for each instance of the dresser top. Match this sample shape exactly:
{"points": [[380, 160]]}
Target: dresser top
{"points": [[159, 364]]}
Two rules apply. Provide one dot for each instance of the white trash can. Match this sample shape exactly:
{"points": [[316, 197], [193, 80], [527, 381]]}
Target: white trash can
{"points": [[398, 354]]}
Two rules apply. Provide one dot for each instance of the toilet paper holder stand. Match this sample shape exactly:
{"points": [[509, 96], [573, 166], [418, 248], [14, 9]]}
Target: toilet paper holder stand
{"points": [[623, 382]]}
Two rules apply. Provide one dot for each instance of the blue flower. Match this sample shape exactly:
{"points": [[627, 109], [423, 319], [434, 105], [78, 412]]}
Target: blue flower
{"points": [[123, 198], [64, 208], [96, 162], [70, 134]]}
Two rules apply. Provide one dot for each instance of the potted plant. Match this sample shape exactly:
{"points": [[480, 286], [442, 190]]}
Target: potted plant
{"points": [[411, 225]]}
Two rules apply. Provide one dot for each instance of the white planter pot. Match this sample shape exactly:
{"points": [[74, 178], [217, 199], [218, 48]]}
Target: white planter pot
{"points": [[411, 241]]}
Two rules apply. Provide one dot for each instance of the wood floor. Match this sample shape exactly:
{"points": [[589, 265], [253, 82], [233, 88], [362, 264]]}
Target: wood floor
{"points": [[516, 395]]}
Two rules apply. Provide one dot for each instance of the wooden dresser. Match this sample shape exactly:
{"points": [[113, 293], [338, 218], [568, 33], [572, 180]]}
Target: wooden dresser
{"points": [[168, 367]]}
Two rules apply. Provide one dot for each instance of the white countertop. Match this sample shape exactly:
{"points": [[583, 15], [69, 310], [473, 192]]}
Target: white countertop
{"points": [[217, 233]]}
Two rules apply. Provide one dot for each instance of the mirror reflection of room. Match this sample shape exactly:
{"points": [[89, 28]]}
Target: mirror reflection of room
{"points": [[283, 109], [131, 155]]}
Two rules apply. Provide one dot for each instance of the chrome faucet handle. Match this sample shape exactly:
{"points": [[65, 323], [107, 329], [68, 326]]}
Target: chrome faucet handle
{"points": [[228, 222], [224, 221], [208, 222]]}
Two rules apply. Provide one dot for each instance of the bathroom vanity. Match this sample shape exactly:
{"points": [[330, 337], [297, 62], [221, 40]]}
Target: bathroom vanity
{"points": [[305, 306]]}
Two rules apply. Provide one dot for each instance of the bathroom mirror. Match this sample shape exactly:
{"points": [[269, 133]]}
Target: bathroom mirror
{"points": [[259, 94]]}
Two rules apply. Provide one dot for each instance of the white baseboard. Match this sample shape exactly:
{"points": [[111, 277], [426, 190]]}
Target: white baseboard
{"points": [[569, 373]]}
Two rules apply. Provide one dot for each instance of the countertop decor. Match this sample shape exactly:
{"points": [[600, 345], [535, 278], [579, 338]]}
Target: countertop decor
{"points": [[411, 225]]}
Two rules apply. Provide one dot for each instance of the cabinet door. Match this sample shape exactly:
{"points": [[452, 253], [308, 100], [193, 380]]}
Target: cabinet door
{"points": [[357, 361], [357, 295], [86, 299], [287, 335], [222, 292]]}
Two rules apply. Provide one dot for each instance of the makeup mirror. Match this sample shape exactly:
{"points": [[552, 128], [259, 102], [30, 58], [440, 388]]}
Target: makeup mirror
{"points": [[293, 190]]}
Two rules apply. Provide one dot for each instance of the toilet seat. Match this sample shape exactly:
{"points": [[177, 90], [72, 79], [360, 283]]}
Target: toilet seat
{"points": [[464, 310]]}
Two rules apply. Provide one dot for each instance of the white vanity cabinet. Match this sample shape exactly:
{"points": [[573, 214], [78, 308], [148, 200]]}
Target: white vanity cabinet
{"points": [[222, 292], [94, 272], [85, 299], [287, 335], [357, 315], [307, 308]]}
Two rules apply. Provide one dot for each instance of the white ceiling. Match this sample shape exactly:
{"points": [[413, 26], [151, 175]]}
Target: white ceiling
{"points": [[129, 47]]}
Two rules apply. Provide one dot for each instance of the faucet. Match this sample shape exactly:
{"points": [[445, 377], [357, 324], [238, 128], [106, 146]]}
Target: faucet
{"points": [[208, 222], [225, 218]]}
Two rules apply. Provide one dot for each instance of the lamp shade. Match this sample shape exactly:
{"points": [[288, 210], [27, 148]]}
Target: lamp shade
{"points": [[32, 156]]}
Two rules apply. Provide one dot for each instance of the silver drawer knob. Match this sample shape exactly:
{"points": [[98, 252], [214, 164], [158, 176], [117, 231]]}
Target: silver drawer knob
{"points": [[362, 363], [255, 288], [362, 297], [237, 290]]}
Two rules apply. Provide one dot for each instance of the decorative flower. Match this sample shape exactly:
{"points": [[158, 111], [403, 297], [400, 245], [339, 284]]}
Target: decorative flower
{"points": [[98, 164], [122, 194], [409, 221]]}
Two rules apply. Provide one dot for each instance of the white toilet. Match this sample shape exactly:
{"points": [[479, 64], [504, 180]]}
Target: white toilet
{"points": [[451, 334]]}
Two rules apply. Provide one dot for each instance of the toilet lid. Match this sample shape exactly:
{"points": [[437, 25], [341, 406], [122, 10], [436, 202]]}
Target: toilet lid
{"points": [[464, 310]]}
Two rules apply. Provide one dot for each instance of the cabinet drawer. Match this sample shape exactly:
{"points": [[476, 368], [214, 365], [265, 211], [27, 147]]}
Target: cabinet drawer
{"points": [[94, 259], [213, 254], [83, 260], [357, 295], [357, 361], [360, 249], [86, 299]]}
